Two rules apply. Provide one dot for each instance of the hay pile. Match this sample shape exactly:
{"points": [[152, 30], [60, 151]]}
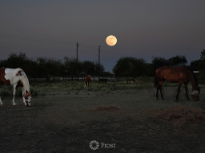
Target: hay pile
{"points": [[104, 108], [181, 115]]}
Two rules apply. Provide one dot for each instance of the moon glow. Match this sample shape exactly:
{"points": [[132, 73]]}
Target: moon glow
{"points": [[111, 40]]}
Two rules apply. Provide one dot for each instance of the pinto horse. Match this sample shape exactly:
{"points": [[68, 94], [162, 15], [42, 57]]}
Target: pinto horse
{"points": [[17, 78], [87, 80], [180, 75]]}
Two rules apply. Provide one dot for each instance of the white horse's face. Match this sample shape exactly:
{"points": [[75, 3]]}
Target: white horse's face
{"points": [[28, 98], [195, 94], [28, 101]]}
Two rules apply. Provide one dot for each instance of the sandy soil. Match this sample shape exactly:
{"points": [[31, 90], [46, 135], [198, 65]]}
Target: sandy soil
{"points": [[65, 123]]}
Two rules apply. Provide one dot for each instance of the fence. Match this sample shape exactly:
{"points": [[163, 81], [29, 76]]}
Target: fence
{"points": [[95, 78]]}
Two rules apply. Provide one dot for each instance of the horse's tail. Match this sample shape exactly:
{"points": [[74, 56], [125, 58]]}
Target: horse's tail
{"points": [[155, 81]]}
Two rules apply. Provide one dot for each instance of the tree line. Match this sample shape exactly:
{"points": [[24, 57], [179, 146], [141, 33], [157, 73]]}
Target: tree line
{"points": [[135, 67], [43, 67]]}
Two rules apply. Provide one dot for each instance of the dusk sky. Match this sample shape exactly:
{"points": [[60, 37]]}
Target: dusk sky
{"points": [[144, 28]]}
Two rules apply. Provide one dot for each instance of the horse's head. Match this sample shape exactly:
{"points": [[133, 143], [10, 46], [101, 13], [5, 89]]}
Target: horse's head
{"points": [[28, 97], [195, 94]]}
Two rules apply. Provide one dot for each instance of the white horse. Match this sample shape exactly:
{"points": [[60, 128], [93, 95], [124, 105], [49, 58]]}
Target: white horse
{"points": [[16, 77]]}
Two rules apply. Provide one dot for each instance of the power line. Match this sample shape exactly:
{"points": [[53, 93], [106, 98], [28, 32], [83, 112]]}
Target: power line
{"points": [[37, 49], [105, 48], [34, 39], [73, 42], [88, 46]]}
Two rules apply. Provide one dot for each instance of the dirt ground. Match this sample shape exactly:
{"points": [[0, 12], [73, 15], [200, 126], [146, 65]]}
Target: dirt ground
{"points": [[63, 123]]}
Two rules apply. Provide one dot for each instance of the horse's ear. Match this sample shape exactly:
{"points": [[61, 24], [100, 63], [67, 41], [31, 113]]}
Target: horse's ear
{"points": [[18, 73], [26, 91]]}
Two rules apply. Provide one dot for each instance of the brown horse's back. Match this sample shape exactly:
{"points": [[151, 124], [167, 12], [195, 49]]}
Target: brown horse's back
{"points": [[174, 74], [88, 78]]}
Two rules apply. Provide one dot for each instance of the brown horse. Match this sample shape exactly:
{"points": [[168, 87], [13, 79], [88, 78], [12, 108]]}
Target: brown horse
{"points": [[180, 75], [87, 80]]}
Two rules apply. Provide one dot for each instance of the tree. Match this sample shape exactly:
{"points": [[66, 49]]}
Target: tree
{"points": [[202, 56], [99, 69], [72, 66], [129, 67], [202, 64], [158, 62], [194, 65], [148, 69], [20, 61], [16, 60], [88, 67], [31, 68], [44, 68], [177, 61]]}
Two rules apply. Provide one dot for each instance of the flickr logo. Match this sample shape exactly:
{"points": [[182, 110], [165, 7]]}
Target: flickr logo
{"points": [[94, 145]]}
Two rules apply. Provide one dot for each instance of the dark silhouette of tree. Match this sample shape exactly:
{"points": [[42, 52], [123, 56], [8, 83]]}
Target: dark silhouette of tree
{"points": [[72, 66], [158, 62], [195, 65], [129, 67], [44, 68], [202, 64], [202, 56], [148, 69], [88, 68], [20, 61], [177, 61], [99, 69]]}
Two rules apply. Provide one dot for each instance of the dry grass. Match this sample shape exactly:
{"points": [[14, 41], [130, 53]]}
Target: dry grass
{"points": [[104, 108], [181, 115]]}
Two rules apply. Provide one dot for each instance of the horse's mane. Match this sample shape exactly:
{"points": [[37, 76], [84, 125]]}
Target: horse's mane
{"points": [[25, 81], [194, 76]]}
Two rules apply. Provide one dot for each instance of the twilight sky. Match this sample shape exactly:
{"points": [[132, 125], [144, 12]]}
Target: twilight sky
{"points": [[144, 28]]}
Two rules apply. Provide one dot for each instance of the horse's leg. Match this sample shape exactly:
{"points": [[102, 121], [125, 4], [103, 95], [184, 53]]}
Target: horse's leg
{"points": [[179, 86], [23, 95], [160, 88], [161, 92], [14, 93], [0, 97], [186, 85], [157, 92]]}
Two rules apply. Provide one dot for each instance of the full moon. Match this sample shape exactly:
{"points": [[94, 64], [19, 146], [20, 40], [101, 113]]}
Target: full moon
{"points": [[111, 40]]}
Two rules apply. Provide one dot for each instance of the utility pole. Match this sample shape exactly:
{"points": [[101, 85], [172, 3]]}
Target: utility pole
{"points": [[77, 51], [99, 55], [99, 60]]}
